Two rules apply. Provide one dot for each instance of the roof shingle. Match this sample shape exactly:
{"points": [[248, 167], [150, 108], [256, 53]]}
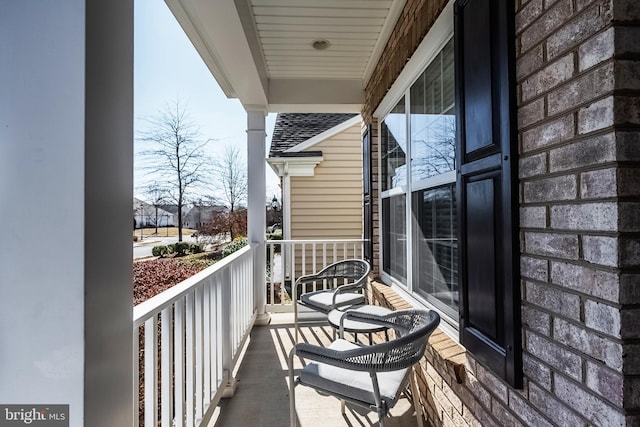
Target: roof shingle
{"points": [[293, 128]]}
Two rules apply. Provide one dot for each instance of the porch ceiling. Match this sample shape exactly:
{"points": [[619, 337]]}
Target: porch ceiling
{"points": [[261, 51]]}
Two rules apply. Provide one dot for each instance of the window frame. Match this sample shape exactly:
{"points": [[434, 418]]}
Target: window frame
{"points": [[441, 33]]}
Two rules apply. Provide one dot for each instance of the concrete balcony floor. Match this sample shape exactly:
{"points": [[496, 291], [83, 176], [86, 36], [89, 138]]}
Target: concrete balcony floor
{"points": [[262, 395]]}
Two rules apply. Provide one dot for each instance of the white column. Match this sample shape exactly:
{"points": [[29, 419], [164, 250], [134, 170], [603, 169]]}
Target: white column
{"points": [[66, 143], [256, 204]]}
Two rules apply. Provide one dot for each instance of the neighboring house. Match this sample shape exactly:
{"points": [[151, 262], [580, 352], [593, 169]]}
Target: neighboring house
{"points": [[311, 153], [173, 209], [527, 245], [148, 215], [201, 215]]}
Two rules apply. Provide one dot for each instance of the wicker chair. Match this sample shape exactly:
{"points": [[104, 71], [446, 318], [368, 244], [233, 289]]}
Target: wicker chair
{"points": [[368, 376], [345, 283]]}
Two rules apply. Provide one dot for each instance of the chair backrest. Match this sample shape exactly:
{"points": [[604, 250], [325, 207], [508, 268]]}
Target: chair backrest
{"points": [[351, 270], [413, 328]]}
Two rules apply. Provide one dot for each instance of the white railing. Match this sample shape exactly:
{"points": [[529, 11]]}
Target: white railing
{"points": [[289, 259], [187, 340]]}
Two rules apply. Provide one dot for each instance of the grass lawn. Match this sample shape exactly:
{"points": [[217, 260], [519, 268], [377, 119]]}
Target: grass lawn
{"points": [[163, 232]]}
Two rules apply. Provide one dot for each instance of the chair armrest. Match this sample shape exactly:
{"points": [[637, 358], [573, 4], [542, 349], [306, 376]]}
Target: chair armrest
{"points": [[386, 320], [301, 281], [345, 288], [358, 359]]}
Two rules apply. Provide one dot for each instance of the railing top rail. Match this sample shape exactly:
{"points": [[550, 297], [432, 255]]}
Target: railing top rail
{"points": [[318, 241], [156, 304]]}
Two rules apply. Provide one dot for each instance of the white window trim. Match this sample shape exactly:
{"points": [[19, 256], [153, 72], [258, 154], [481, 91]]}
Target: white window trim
{"points": [[435, 181], [433, 43]]}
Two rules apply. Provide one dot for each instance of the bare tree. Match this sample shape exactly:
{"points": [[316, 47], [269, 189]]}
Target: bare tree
{"points": [[177, 158], [227, 224], [231, 173], [435, 152]]}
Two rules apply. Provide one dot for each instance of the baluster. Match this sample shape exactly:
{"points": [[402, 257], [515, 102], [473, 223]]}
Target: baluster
{"points": [[199, 397], [179, 349], [136, 377], [206, 304], [189, 368], [166, 367], [150, 372]]}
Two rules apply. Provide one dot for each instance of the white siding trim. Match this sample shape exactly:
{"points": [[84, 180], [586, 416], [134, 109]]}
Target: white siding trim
{"points": [[294, 166]]}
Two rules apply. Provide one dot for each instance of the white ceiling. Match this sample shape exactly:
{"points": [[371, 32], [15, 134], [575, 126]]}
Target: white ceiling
{"points": [[261, 52]]}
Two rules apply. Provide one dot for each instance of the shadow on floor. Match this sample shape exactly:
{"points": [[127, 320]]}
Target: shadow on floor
{"points": [[262, 396]]}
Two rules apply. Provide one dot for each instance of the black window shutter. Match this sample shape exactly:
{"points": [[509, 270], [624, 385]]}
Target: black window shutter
{"points": [[367, 197], [487, 185]]}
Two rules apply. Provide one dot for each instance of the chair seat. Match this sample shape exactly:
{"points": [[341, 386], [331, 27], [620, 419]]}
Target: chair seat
{"points": [[355, 384], [323, 300]]}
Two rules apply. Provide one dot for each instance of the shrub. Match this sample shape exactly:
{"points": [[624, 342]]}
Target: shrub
{"points": [[160, 251], [195, 248], [235, 245], [276, 235], [181, 248], [171, 248]]}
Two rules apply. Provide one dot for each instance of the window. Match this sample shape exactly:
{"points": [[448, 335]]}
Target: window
{"points": [[435, 248], [419, 195], [395, 236], [394, 177], [433, 125], [394, 148], [433, 219]]}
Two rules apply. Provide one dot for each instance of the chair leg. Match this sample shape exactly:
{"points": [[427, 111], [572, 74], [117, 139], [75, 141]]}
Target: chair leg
{"points": [[380, 406], [292, 391], [416, 397], [295, 320], [381, 415], [342, 407]]}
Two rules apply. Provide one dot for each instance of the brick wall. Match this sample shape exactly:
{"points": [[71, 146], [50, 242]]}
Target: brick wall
{"points": [[415, 20], [575, 67], [578, 72]]}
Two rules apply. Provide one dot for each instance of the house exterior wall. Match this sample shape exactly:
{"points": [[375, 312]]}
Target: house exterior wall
{"points": [[578, 131], [328, 205]]}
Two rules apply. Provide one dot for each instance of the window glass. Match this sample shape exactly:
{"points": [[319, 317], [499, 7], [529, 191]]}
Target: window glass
{"points": [[395, 236], [394, 147], [422, 189], [433, 119], [435, 247]]}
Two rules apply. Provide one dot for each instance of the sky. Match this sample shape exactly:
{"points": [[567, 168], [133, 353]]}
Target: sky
{"points": [[167, 67]]}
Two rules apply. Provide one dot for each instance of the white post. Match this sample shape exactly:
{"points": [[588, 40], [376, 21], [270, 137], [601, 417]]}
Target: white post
{"points": [[66, 162], [227, 326], [286, 224], [257, 221]]}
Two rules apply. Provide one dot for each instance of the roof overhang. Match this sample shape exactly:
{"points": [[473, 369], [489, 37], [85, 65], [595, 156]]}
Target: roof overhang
{"points": [[294, 166], [260, 51]]}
